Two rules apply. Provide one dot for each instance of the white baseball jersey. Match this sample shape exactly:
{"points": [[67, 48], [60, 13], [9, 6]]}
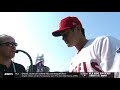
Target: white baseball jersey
{"points": [[101, 54]]}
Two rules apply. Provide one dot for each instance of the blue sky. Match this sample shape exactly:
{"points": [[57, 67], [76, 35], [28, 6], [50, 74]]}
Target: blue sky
{"points": [[33, 33]]}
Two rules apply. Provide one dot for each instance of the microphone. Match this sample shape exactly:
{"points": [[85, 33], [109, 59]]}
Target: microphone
{"points": [[28, 57], [16, 51]]}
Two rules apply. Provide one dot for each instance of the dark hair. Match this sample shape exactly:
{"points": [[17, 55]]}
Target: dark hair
{"points": [[82, 30]]}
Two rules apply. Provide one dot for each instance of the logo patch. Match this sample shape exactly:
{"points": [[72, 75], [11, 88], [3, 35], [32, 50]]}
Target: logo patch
{"points": [[74, 23]]}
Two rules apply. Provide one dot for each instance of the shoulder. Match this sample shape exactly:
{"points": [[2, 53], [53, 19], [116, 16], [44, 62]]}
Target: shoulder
{"points": [[107, 38], [102, 41], [102, 38], [19, 67]]}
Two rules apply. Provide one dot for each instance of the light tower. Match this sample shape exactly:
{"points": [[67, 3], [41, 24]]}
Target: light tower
{"points": [[39, 64], [39, 60]]}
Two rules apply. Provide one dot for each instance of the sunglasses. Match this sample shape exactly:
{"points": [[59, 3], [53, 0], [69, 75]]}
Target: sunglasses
{"points": [[9, 44]]}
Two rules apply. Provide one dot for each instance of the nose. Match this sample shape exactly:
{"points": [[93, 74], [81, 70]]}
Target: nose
{"points": [[63, 37], [13, 47]]}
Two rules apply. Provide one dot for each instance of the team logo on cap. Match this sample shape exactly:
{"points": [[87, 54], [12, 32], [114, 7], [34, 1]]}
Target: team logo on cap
{"points": [[74, 23]]}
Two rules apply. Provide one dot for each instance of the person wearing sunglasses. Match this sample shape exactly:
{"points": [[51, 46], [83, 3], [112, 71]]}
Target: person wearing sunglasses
{"points": [[7, 52], [100, 54]]}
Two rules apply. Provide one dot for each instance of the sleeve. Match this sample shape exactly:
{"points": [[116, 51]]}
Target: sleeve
{"points": [[110, 58]]}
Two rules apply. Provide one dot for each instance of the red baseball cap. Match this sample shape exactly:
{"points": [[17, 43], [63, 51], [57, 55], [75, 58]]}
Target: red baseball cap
{"points": [[67, 23]]}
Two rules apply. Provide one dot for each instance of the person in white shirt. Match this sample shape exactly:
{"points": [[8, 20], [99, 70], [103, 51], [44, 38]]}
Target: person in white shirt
{"points": [[101, 54]]}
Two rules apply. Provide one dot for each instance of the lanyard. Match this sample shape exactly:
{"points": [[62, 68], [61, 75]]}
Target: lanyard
{"points": [[14, 67]]}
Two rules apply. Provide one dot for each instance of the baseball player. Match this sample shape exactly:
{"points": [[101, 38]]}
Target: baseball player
{"points": [[101, 54]]}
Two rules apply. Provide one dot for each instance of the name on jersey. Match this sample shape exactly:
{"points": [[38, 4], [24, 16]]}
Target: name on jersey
{"points": [[94, 65]]}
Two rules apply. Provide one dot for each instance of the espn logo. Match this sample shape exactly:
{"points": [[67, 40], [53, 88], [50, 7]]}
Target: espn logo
{"points": [[8, 73]]}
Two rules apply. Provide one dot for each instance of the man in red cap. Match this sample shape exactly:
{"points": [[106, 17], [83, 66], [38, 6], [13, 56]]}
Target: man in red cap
{"points": [[101, 54]]}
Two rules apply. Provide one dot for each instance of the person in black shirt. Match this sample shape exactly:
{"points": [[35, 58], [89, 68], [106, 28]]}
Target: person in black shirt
{"points": [[7, 52]]}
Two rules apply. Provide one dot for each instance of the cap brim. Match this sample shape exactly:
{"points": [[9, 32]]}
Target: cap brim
{"points": [[58, 32]]}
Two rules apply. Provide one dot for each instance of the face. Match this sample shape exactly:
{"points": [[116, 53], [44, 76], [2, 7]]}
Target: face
{"points": [[70, 37], [8, 47]]}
